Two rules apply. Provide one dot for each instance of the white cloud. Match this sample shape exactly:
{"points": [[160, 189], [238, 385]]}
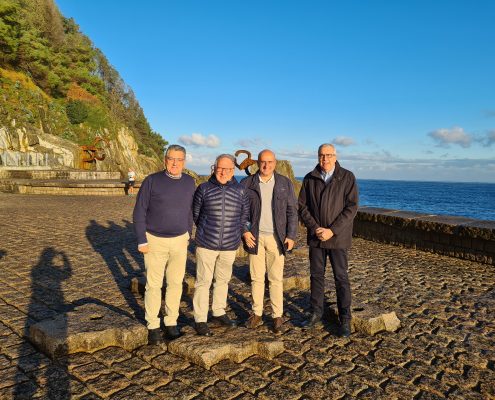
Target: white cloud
{"points": [[489, 139], [445, 137], [199, 140], [256, 142], [343, 141]]}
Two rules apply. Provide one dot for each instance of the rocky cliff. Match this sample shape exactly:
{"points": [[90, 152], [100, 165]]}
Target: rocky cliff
{"points": [[21, 147]]}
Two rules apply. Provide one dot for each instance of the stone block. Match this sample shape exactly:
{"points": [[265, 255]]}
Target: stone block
{"points": [[370, 319], [235, 344], [88, 328]]}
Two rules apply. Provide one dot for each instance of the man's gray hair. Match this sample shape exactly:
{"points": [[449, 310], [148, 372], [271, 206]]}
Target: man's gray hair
{"points": [[229, 156], [326, 145], [176, 147]]}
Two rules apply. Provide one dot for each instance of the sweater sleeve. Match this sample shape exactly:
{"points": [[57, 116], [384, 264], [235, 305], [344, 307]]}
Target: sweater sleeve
{"points": [[350, 208], [306, 217], [141, 209]]}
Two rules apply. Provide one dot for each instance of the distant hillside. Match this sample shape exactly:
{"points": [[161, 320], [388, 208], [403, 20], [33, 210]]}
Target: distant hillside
{"points": [[53, 79]]}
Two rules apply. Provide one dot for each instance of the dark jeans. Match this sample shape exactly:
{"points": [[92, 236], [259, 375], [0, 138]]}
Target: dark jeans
{"points": [[318, 262]]}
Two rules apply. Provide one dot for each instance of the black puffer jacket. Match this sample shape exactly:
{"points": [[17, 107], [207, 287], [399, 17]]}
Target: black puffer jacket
{"points": [[333, 205], [220, 213], [284, 208]]}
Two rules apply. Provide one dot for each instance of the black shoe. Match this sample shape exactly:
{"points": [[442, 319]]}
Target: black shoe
{"points": [[313, 321], [172, 332], [224, 320], [202, 329], [154, 336], [345, 329]]}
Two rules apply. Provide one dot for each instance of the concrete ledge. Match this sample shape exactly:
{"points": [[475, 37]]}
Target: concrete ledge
{"points": [[88, 328], [458, 237]]}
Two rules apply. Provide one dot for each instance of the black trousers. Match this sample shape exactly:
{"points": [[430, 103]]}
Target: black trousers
{"points": [[318, 263]]}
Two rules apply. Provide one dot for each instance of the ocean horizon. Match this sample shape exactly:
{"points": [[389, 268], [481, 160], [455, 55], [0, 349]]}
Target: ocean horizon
{"points": [[463, 199]]}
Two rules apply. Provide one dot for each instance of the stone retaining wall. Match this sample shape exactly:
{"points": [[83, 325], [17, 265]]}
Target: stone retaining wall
{"points": [[459, 237]]}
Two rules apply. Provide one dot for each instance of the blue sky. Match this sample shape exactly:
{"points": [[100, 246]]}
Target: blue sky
{"points": [[406, 89]]}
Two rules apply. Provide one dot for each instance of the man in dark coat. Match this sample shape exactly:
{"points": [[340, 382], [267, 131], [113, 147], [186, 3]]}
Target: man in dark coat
{"points": [[272, 232], [328, 203], [220, 212]]}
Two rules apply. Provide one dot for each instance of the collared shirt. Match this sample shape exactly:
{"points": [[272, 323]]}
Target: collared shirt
{"points": [[266, 217], [173, 176], [327, 176]]}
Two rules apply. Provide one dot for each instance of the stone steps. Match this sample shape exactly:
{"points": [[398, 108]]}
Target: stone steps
{"points": [[97, 187], [70, 174]]}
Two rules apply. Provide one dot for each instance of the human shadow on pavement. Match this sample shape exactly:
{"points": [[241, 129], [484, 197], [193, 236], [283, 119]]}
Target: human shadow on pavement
{"points": [[47, 298], [113, 242]]}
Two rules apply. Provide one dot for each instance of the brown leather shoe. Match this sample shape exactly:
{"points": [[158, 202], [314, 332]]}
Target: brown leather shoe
{"points": [[254, 321], [277, 324]]}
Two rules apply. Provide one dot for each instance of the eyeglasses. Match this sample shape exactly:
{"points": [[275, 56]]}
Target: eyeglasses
{"points": [[219, 169], [174, 159], [326, 155]]}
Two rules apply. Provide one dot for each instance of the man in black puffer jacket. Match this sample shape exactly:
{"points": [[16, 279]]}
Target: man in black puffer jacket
{"points": [[220, 212]]}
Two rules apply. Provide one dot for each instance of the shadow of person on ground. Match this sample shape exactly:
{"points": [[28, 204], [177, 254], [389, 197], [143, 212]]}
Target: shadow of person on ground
{"points": [[47, 276], [110, 242]]}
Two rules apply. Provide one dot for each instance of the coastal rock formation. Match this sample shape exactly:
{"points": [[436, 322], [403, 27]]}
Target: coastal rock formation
{"points": [[36, 148]]}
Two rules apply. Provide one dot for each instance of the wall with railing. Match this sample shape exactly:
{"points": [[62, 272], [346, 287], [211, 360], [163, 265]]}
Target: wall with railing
{"points": [[459, 237]]}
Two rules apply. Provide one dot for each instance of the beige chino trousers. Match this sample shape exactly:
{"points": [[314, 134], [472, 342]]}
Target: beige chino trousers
{"points": [[269, 260], [166, 257], [212, 264]]}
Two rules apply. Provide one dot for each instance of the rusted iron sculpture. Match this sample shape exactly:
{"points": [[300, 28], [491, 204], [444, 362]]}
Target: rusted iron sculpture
{"points": [[246, 163], [92, 153]]}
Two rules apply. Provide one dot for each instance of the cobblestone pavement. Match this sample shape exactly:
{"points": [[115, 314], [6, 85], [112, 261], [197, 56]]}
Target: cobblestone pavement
{"points": [[58, 252]]}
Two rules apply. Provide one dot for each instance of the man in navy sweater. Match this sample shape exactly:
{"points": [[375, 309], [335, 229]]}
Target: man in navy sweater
{"points": [[163, 224]]}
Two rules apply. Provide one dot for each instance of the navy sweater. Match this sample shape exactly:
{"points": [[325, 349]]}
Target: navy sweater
{"points": [[164, 206]]}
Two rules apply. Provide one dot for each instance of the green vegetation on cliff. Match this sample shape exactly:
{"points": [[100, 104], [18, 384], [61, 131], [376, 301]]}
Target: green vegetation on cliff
{"points": [[52, 77]]}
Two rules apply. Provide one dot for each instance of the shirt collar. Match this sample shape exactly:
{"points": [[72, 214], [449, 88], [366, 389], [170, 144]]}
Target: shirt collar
{"points": [[269, 180], [173, 176]]}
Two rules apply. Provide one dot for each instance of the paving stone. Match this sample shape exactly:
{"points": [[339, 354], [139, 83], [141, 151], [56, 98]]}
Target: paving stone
{"points": [[223, 390], [88, 328], [227, 368], [276, 392], [23, 390], [289, 377], [134, 392], [11, 376], [261, 365], [289, 360], [111, 355], [249, 380], [147, 353], [234, 344], [176, 390], [196, 377], [151, 378], [130, 367], [105, 385], [89, 371], [169, 363]]}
